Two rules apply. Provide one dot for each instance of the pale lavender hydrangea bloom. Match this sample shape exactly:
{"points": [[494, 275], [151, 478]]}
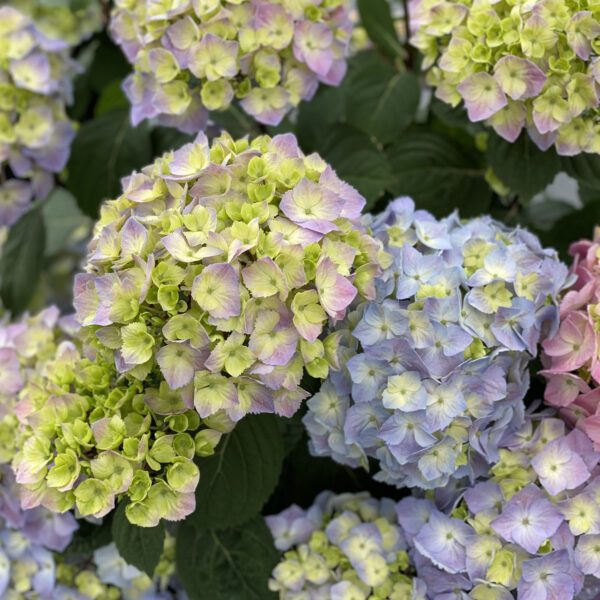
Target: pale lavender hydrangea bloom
{"points": [[436, 366], [342, 547], [194, 57], [36, 75], [509, 536]]}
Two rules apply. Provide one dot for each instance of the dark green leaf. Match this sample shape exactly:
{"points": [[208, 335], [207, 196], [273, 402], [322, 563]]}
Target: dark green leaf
{"points": [[105, 149], [381, 101], [439, 174], [138, 546], [316, 117], [572, 227], [109, 64], [235, 121], [234, 564], [239, 478], [62, 218], [585, 168], [521, 166], [165, 139], [358, 161], [21, 262], [376, 18], [111, 98], [304, 476], [89, 537]]}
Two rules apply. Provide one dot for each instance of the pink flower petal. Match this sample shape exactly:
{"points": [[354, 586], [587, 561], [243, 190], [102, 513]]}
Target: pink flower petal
{"points": [[482, 95]]}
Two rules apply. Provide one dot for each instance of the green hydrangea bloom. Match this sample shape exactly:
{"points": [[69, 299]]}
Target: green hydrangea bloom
{"points": [[516, 65], [214, 274], [90, 437]]}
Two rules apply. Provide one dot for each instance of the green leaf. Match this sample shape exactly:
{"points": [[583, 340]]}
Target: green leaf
{"points": [[21, 261], [439, 174], [235, 121], [138, 546], [109, 64], [105, 149], [574, 226], [234, 564], [376, 18], [165, 139], [522, 166], [316, 117], [381, 101], [585, 168], [89, 537], [239, 478], [357, 160], [62, 218], [111, 98]]}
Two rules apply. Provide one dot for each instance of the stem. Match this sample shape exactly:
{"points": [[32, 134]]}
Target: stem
{"points": [[407, 46]]}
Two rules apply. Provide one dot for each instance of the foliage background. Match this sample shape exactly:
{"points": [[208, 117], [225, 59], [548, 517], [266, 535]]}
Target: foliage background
{"points": [[383, 133]]}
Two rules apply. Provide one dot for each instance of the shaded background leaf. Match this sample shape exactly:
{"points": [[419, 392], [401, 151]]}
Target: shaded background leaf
{"points": [[139, 546], [522, 166], [105, 149], [21, 261], [234, 564], [238, 479], [439, 173]]}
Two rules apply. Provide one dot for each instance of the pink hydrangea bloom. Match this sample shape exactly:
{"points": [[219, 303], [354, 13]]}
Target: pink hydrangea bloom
{"points": [[571, 356]]}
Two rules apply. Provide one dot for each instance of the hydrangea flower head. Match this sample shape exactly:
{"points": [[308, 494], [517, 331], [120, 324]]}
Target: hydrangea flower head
{"points": [[81, 436], [570, 357], [527, 65], [196, 56], [36, 74], [345, 547], [516, 532], [217, 270], [33, 539], [70, 23], [436, 365]]}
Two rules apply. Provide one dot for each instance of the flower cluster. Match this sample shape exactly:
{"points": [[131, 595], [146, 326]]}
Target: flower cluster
{"points": [[191, 57], [118, 579], [36, 74], [532, 527], [32, 565], [436, 367], [30, 538], [66, 21], [82, 436], [516, 65], [217, 269], [571, 357], [344, 547], [24, 346]]}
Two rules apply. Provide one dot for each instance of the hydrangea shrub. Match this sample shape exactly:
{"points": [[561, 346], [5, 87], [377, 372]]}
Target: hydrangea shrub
{"points": [[196, 56], [36, 73], [216, 271], [348, 546], [530, 528], [436, 367], [571, 356], [523, 65]]}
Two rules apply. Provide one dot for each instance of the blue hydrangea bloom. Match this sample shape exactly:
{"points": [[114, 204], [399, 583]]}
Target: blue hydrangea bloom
{"points": [[436, 366]]}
